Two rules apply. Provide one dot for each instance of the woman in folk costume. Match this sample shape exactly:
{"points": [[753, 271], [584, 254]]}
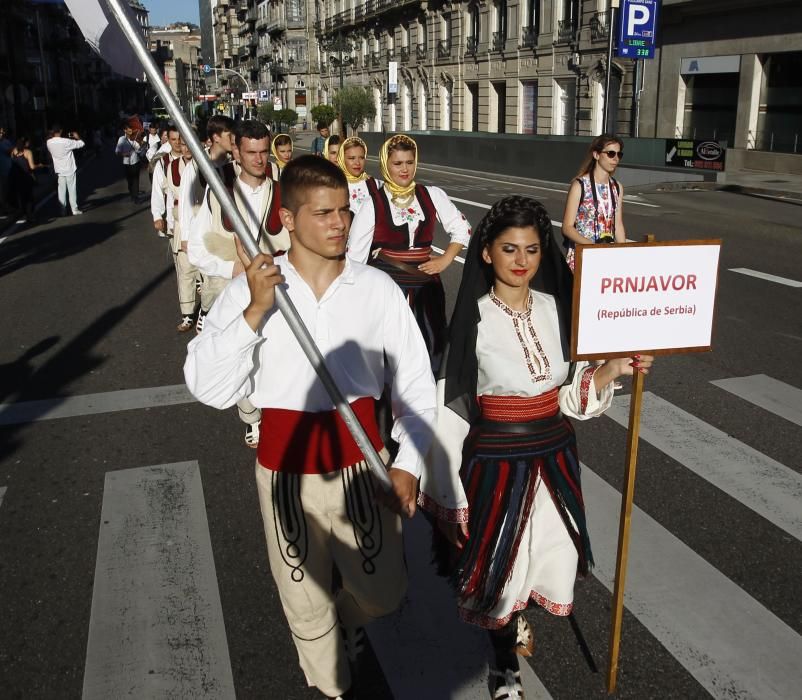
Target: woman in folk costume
{"points": [[281, 148], [502, 478], [351, 159], [394, 231], [331, 147]]}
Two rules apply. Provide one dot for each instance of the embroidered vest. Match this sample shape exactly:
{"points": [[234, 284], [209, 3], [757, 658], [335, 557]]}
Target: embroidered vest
{"points": [[388, 234], [272, 237]]}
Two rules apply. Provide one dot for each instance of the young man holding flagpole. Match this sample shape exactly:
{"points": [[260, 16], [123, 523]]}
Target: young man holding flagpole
{"points": [[319, 502]]}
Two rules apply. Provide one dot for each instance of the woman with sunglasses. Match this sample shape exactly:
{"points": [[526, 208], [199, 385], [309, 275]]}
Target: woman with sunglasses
{"points": [[594, 208]]}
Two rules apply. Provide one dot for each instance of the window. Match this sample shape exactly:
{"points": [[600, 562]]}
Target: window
{"points": [[528, 107]]}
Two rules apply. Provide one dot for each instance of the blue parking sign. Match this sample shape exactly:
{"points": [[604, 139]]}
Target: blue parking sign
{"points": [[637, 28]]}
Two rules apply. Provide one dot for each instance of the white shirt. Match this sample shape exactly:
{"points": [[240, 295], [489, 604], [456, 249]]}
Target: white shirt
{"points": [[364, 223], [199, 254], [190, 195], [362, 318], [154, 145], [503, 370], [158, 191], [170, 215], [358, 193], [61, 151], [128, 149]]}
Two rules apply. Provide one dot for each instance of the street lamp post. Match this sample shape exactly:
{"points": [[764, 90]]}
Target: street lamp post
{"points": [[340, 45], [231, 70]]}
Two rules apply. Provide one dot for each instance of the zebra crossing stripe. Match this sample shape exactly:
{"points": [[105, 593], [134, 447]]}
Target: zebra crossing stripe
{"points": [[775, 396], [731, 644], [156, 628], [762, 484], [90, 404], [424, 649]]}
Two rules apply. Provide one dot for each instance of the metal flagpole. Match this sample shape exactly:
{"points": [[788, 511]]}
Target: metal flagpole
{"points": [[284, 303]]}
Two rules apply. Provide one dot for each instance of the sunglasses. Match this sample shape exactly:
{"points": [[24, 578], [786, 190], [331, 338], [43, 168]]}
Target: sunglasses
{"points": [[613, 154]]}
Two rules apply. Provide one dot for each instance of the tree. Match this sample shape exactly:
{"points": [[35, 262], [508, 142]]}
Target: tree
{"points": [[286, 117], [355, 105], [323, 113], [266, 113]]}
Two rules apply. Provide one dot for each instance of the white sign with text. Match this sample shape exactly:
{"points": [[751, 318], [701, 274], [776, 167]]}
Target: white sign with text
{"points": [[657, 297]]}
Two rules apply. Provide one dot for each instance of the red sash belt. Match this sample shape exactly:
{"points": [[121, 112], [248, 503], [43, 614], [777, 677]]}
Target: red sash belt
{"points": [[520, 409], [297, 442], [410, 255]]}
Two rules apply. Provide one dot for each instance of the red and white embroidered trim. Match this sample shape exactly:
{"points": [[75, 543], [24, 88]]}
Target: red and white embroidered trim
{"points": [[411, 255], [450, 515], [584, 387], [513, 409], [494, 623]]}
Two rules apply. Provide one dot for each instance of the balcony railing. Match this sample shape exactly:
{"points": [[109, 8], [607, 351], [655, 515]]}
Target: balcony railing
{"points": [[499, 40], [375, 59], [443, 48], [471, 46], [261, 22], [599, 24], [566, 31], [420, 52], [529, 37], [404, 54], [276, 25], [359, 12], [243, 51]]}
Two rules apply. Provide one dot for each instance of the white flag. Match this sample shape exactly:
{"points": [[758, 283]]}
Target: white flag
{"points": [[104, 35]]}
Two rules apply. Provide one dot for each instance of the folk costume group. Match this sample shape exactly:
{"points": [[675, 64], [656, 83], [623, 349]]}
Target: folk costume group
{"points": [[486, 450]]}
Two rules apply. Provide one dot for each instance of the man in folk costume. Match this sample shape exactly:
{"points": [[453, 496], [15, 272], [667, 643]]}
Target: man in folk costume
{"points": [[158, 192], [186, 273], [220, 130], [211, 245], [318, 498]]}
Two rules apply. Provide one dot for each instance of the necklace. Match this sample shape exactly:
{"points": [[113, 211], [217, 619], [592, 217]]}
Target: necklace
{"points": [[523, 320]]}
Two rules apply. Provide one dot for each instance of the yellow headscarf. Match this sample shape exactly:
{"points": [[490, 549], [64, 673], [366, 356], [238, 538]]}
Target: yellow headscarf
{"points": [[401, 196], [279, 162], [326, 146], [350, 143]]}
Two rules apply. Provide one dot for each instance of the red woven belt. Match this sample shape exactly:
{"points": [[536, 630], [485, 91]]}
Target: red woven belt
{"points": [[519, 409], [411, 255]]}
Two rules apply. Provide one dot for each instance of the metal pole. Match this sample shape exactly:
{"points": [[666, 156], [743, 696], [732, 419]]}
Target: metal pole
{"points": [[283, 301], [613, 7]]}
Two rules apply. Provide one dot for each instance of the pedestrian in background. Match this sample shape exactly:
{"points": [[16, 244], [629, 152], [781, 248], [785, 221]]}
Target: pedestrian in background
{"points": [[320, 139], [128, 147], [62, 152], [5, 167], [594, 207], [22, 178]]}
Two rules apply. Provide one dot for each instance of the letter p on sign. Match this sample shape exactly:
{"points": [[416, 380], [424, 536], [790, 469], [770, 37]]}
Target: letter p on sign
{"points": [[637, 16]]}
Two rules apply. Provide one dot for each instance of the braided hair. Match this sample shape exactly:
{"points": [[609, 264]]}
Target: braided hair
{"points": [[460, 368]]}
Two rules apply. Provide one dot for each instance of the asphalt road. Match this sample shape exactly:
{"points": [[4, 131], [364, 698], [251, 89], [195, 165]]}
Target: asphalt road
{"points": [[88, 310]]}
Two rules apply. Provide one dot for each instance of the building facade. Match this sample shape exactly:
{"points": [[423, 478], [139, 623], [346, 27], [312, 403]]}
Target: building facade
{"points": [[501, 66], [727, 71], [177, 51], [49, 74]]}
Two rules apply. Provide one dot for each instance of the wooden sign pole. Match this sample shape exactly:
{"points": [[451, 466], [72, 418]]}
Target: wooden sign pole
{"points": [[627, 498]]}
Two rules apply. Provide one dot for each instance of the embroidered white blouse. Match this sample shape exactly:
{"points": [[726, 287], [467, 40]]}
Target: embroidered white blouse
{"points": [[519, 354], [364, 223], [358, 193]]}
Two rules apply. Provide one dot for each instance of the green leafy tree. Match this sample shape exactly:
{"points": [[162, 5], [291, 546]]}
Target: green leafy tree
{"points": [[266, 113], [355, 105], [323, 113], [285, 118]]}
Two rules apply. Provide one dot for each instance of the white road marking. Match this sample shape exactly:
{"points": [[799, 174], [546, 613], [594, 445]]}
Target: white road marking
{"points": [[156, 628], [730, 643], [766, 276], [89, 404], [775, 396], [441, 251], [762, 484], [468, 201], [3, 490], [426, 646]]}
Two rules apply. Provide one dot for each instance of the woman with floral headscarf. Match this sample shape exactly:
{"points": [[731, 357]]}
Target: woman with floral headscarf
{"points": [[394, 231], [351, 159]]}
